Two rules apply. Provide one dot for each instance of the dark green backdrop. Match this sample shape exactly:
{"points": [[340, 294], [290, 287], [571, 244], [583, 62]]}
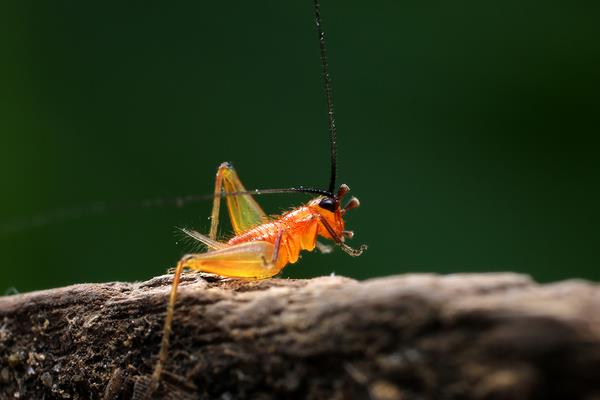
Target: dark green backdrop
{"points": [[467, 130]]}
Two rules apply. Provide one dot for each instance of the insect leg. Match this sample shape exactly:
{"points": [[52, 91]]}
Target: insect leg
{"points": [[276, 249], [340, 241], [244, 211], [164, 344], [244, 260]]}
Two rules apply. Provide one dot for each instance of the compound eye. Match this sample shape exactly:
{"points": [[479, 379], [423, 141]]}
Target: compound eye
{"points": [[329, 204]]}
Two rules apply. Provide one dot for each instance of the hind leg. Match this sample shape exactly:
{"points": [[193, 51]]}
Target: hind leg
{"points": [[257, 260]]}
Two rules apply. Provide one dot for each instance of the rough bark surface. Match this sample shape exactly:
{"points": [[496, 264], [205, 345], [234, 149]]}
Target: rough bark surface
{"points": [[479, 336]]}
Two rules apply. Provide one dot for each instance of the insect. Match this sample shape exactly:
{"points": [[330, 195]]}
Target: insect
{"points": [[262, 246]]}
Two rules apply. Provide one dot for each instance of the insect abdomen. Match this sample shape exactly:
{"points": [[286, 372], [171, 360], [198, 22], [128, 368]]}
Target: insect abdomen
{"points": [[303, 237], [299, 229]]}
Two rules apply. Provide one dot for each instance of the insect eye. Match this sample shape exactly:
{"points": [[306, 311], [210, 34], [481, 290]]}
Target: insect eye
{"points": [[328, 203]]}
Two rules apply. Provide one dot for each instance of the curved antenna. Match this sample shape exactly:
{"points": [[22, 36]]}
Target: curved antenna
{"points": [[299, 189], [50, 217], [329, 96]]}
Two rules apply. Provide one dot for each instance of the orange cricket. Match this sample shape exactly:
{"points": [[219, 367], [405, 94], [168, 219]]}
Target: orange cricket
{"points": [[262, 245]]}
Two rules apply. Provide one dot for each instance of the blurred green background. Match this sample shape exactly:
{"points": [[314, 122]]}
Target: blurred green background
{"points": [[468, 131]]}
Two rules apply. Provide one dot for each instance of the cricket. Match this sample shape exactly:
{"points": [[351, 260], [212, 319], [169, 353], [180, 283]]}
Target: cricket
{"points": [[263, 245]]}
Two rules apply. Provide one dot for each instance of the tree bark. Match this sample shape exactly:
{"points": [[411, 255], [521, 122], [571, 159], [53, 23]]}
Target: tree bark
{"points": [[466, 336]]}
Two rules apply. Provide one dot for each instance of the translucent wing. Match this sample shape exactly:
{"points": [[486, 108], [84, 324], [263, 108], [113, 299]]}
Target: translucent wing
{"points": [[244, 211]]}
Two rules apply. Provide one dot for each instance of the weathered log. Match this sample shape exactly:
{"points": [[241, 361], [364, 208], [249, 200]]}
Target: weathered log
{"points": [[479, 336]]}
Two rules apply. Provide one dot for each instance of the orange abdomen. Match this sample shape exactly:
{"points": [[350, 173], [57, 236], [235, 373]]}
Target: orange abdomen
{"points": [[299, 228]]}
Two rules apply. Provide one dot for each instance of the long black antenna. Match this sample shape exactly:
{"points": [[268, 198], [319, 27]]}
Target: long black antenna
{"points": [[329, 96], [21, 224]]}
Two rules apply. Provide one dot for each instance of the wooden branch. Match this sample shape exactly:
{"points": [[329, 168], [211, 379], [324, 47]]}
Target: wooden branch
{"points": [[480, 336]]}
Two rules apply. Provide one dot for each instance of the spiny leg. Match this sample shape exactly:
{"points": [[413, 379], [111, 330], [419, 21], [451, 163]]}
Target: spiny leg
{"points": [[340, 241], [244, 260], [164, 344], [276, 248], [244, 211]]}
